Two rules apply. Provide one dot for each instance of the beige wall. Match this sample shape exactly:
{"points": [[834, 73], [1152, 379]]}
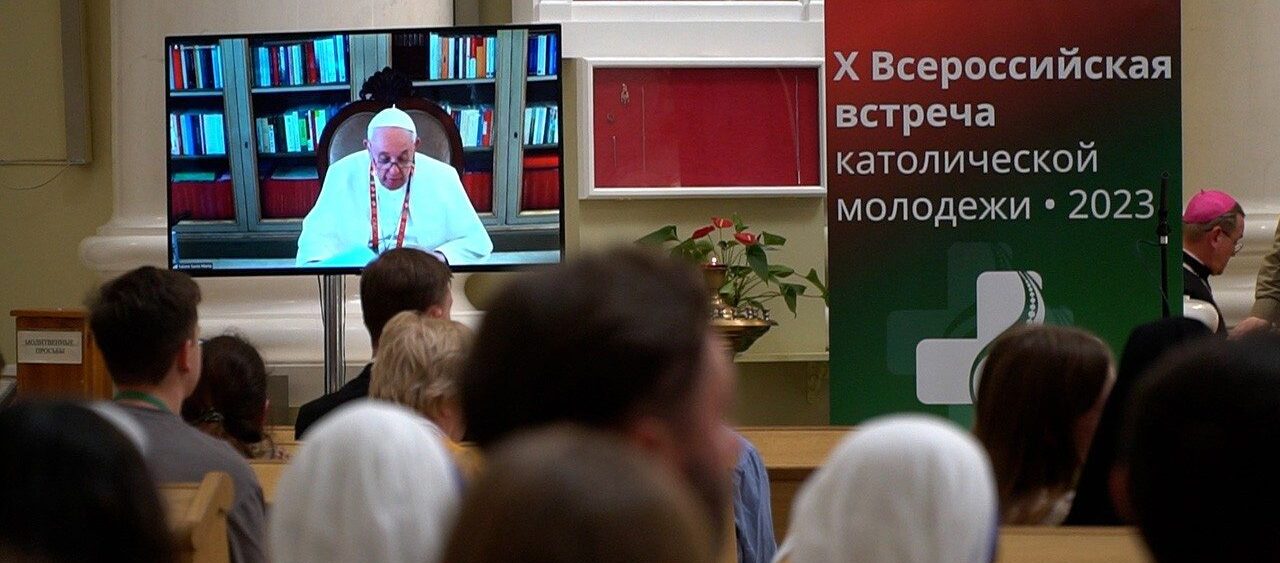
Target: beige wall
{"points": [[1231, 125], [41, 229]]}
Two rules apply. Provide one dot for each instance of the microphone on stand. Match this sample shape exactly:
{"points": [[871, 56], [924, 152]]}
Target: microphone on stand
{"points": [[1162, 236]]}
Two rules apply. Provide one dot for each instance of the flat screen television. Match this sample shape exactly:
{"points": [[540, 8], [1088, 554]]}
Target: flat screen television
{"points": [[283, 157]]}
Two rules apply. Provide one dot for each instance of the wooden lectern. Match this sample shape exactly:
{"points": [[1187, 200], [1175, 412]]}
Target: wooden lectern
{"points": [[58, 357]]}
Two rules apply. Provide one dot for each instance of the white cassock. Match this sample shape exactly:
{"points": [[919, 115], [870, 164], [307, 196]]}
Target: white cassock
{"points": [[337, 230]]}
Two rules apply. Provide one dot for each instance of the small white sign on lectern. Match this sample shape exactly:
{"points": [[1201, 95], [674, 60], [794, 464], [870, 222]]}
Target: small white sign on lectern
{"points": [[50, 347]]}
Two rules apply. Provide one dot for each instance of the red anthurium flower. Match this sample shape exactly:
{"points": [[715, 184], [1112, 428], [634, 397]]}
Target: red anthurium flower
{"points": [[703, 232], [747, 239], [721, 222]]}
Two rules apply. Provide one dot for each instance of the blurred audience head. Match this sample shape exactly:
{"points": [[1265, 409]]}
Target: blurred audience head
{"points": [[900, 488], [73, 488], [1037, 407], [403, 279], [1146, 344], [230, 402], [618, 340], [419, 361], [374, 483], [1202, 485], [566, 494]]}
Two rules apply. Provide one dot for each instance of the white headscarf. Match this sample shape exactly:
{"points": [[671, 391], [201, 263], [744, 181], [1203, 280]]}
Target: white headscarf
{"points": [[902, 488], [372, 483]]}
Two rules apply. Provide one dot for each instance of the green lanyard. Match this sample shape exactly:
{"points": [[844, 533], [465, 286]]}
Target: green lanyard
{"points": [[144, 397]]}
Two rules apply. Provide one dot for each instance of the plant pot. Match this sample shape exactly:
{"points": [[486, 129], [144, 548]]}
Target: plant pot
{"points": [[741, 333]]}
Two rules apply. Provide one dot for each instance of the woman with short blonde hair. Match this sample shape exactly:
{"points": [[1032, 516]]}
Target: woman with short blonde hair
{"points": [[419, 359]]}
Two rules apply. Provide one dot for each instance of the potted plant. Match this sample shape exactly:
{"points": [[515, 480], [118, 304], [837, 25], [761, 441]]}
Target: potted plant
{"points": [[740, 277]]}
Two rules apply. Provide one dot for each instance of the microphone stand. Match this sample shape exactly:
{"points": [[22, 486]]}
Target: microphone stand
{"points": [[1162, 236]]}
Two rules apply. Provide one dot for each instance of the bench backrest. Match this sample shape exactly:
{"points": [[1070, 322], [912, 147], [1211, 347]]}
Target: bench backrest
{"points": [[197, 514]]}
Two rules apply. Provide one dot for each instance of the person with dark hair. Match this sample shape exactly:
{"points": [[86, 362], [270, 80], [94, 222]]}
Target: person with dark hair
{"points": [[230, 402], [1147, 343], [145, 323], [1037, 406], [620, 341], [402, 279], [1201, 475], [75, 489], [565, 494], [391, 196]]}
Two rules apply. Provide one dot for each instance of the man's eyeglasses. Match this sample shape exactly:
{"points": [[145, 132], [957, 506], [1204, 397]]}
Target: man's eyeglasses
{"points": [[384, 164], [1239, 245]]}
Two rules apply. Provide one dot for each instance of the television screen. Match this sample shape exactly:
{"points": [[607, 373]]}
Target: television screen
{"points": [[314, 152]]}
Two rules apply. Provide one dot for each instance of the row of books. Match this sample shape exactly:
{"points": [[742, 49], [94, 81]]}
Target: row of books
{"points": [[541, 125], [293, 131], [465, 57], [195, 134], [195, 67], [318, 61], [544, 55], [475, 124]]}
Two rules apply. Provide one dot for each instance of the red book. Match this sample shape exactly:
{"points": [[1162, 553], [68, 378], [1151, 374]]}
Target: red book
{"points": [[275, 66], [312, 70], [446, 67], [487, 141], [175, 58]]}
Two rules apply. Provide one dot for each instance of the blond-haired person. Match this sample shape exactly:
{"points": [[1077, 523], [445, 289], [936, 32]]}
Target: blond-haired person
{"points": [[419, 359]]}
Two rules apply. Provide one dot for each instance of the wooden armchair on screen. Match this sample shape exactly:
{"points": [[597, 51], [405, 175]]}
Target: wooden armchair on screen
{"points": [[345, 133]]}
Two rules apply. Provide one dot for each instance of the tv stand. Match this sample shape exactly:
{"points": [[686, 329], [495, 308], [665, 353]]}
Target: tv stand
{"points": [[333, 317]]}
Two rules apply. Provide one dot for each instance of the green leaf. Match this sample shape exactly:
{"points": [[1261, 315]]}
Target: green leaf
{"points": [[817, 283], [738, 271], [770, 239], [701, 249], [789, 293], [664, 235], [738, 225], [778, 271], [758, 261]]}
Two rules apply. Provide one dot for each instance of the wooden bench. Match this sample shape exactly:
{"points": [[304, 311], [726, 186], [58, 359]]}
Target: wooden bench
{"points": [[279, 433], [197, 514], [791, 454], [1039, 544], [268, 472]]}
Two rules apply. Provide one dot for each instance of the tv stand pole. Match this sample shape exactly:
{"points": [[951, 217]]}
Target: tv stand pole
{"points": [[333, 315]]}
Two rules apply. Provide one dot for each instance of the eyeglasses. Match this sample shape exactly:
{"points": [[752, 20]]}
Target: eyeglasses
{"points": [[385, 164], [1237, 244]]}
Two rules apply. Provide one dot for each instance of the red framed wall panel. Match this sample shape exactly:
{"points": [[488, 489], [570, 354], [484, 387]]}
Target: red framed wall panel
{"points": [[705, 127]]}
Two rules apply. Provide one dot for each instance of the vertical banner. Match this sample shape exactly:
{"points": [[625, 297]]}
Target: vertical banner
{"points": [[991, 162]]}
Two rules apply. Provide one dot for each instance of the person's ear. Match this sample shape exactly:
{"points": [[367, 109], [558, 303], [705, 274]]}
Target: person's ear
{"points": [[435, 311], [417, 142], [188, 359], [366, 144], [262, 416]]}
